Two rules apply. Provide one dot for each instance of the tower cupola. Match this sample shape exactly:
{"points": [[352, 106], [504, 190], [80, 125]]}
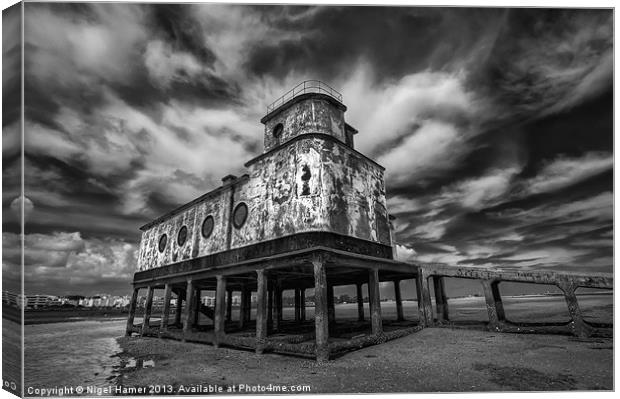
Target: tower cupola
{"points": [[311, 107]]}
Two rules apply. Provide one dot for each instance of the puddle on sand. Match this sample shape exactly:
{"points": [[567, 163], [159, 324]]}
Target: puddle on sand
{"points": [[129, 365], [134, 364]]}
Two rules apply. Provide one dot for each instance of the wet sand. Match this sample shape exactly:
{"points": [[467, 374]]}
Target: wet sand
{"points": [[60, 315], [432, 360], [11, 356]]}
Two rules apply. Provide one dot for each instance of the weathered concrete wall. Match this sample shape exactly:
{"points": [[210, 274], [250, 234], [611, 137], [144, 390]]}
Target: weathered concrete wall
{"points": [[354, 190], [317, 114], [196, 245], [314, 184], [274, 195]]}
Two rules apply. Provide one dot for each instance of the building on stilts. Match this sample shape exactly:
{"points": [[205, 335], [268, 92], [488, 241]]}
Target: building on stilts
{"points": [[309, 215]]}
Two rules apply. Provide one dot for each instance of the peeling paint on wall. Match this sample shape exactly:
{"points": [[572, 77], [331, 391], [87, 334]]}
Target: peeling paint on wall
{"points": [[312, 183], [315, 115]]}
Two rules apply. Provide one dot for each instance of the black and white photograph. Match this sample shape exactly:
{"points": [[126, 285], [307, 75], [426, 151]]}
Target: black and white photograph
{"points": [[306, 198]]}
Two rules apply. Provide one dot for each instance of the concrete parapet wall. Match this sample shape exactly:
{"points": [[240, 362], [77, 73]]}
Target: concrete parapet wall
{"points": [[593, 280], [490, 278], [308, 113]]}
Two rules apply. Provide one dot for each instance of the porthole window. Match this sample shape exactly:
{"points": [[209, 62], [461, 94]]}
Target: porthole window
{"points": [[240, 215], [182, 237], [207, 226], [163, 240], [277, 130]]}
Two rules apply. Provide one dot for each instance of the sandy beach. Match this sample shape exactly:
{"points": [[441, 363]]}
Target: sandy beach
{"points": [[432, 360]]}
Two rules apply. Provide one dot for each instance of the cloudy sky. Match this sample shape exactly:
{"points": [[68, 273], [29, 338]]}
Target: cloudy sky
{"points": [[495, 126]]}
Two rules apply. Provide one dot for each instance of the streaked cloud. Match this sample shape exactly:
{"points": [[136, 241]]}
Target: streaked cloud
{"points": [[564, 171], [494, 125]]}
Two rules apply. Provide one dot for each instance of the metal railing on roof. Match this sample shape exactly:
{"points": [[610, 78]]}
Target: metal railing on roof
{"points": [[307, 86]]}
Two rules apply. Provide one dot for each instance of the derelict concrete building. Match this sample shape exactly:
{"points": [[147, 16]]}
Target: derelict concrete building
{"points": [[309, 214]]}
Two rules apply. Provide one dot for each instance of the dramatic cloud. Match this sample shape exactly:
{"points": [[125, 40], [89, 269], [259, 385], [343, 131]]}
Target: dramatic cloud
{"points": [[564, 172], [70, 263], [435, 148], [494, 125], [556, 60]]}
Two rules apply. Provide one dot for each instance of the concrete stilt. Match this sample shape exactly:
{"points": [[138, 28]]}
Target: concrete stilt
{"points": [[302, 300], [494, 323], [248, 306], [165, 316], [425, 306], [229, 305], [197, 307], [577, 325], [360, 302], [375, 302], [321, 321], [331, 306], [178, 309], [297, 305], [399, 301], [279, 303], [270, 306], [277, 310], [147, 310], [132, 312], [243, 313], [220, 310], [420, 300], [190, 302], [441, 302], [499, 304], [261, 311]]}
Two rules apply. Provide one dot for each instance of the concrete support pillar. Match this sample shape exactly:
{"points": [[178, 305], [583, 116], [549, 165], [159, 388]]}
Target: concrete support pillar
{"points": [[302, 300], [499, 304], [277, 306], [132, 312], [261, 311], [374, 297], [229, 305], [399, 301], [219, 319], [297, 305], [441, 300], [279, 303], [331, 306], [147, 310], [197, 307], [420, 300], [178, 308], [270, 307], [243, 313], [190, 302], [425, 306], [321, 322], [494, 323], [360, 302], [165, 316], [248, 306], [577, 324]]}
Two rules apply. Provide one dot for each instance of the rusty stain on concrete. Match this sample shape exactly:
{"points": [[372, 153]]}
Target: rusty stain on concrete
{"points": [[307, 180]]}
